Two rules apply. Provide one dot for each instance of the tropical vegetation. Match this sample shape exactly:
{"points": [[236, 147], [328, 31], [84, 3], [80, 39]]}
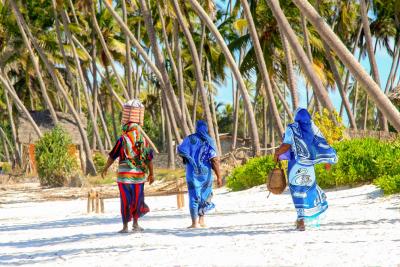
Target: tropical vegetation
{"points": [[86, 58]]}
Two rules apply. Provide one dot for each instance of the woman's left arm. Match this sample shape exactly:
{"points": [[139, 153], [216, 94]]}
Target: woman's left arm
{"points": [[281, 149]]}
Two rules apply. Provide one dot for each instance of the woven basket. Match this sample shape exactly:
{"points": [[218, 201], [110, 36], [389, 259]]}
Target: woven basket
{"points": [[133, 114], [276, 182]]}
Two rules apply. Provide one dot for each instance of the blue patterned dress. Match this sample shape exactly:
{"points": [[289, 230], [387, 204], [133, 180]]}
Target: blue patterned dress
{"points": [[197, 150], [308, 198]]}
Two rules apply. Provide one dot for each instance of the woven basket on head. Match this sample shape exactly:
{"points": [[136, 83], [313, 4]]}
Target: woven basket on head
{"points": [[276, 182], [133, 114]]}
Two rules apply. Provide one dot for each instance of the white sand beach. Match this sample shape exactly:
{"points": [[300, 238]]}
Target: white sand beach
{"points": [[362, 228]]}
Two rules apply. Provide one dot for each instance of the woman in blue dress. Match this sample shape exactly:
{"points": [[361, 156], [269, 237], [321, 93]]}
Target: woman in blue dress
{"points": [[304, 146], [200, 156]]}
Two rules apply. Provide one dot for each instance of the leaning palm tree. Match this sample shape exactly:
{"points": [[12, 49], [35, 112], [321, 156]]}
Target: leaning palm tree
{"points": [[319, 90], [372, 88], [262, 66], [246, 98], [197, 67]]}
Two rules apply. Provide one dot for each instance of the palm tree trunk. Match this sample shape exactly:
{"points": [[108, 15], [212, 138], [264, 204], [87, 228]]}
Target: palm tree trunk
{"points": [[171, 117], [265, 125], [246, 98], [197, 69], [160, 63], [392, 68], [13, 129], [170, 146], [166, 43], [213, 110], [366, 112], [179, 71], [39, 77], [82, 79], [339, 84], [138, 72], [74, 85], [196, 95], [355, 101], [371, 56], [6, 142], [347, 79], [128, 63], [262, 66], [283, 101], [107, 51], [90, 168], [372, 88], [6, 152], [318, 88], [271, 132], [291, 80], [95, 88], [237, 107], [18, 102], [162, 77], [310, 57]]}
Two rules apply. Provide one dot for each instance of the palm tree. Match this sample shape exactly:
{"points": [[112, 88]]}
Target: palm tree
{"points": [[160, 62], [372, 88], [303, 59], [210, 25], [197, 68], [90, 168], [371, 54], [262, 66]]}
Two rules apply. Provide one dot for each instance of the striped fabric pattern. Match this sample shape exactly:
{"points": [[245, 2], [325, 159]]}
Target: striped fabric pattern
{"points": [[132, 201]]}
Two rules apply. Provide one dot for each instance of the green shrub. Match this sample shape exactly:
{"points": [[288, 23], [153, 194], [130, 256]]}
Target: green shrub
{"points": [[360, 161], [99, 161], [6, 167], [54, 162], [389, 184], [253, 173]]}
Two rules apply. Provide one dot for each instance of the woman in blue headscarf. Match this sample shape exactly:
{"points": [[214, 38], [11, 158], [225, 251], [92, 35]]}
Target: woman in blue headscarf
{"points": [[304, 146], [200, 155]]}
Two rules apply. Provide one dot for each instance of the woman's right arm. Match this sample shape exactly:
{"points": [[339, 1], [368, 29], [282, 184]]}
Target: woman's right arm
{"points": [[114, 154], [110, 161]]}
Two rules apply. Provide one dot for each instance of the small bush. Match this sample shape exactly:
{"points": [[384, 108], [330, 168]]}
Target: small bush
{"points": [[6, 168], [99, 161], [389, 184], [360, 161], [332, 131], [53, 160], [253, 173]]}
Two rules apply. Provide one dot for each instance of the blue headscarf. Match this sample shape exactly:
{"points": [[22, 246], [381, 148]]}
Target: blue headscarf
{"points": [[309, 145], [303, 118], [202, 133]]}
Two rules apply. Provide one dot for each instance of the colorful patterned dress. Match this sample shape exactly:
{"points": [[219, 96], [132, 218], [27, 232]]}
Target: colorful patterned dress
{"points": [[134, 154]]}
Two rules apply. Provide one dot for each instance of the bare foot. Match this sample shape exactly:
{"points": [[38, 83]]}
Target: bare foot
{"points": [[300, 226], [194, 226], [201, 222], [203, 225], [137, 228], [124, 230]]}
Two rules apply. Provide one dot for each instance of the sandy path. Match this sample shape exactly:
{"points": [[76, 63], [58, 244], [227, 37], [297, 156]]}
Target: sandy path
{"points": [[362, 228]]}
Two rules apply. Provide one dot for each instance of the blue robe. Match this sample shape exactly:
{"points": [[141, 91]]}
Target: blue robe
{"points": [[308, 147], [197, 150]]}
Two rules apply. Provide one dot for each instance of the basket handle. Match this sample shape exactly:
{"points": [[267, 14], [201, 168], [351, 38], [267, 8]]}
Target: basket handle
{"points": [[279, 164]]}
